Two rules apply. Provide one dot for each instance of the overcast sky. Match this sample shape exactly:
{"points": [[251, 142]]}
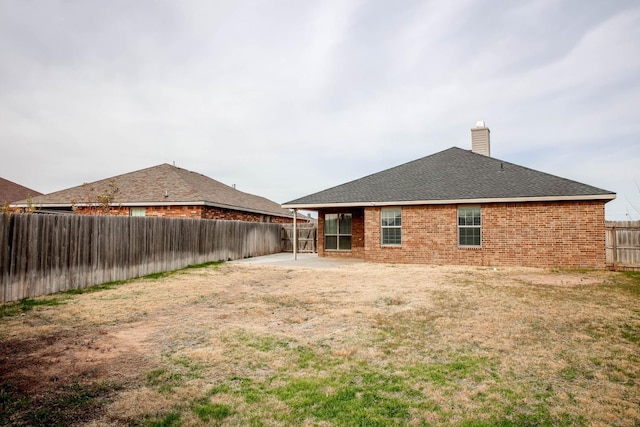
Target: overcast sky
{"points": [[286, 98]]}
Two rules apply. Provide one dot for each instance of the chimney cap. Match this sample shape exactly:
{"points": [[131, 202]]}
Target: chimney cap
{"points": [[480, 124]]}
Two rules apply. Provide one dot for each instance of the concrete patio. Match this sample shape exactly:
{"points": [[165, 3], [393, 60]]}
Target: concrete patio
{"points": [[307, 260]]}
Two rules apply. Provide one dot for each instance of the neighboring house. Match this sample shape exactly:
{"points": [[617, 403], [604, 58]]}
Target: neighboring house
{"points": [[462, 207], [162, 190], [12, 192]]}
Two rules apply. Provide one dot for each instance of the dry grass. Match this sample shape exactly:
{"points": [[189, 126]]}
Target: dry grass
{"points": [[361, 344]]}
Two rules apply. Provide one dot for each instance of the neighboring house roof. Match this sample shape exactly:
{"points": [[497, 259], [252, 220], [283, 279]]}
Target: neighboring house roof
{"points": [[162, 185], [11, 192], [452, 176]]}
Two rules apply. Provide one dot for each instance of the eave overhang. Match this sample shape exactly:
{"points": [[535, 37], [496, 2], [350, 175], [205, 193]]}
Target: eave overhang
{"points": [[152, 204], [316, 206]]}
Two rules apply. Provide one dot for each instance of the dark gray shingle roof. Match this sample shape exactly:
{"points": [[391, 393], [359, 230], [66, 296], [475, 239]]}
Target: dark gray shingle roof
{"points": [[164, 185], [451, 175]]}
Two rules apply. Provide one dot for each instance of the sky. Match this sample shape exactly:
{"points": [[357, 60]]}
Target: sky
{"points": [[287, 98]]}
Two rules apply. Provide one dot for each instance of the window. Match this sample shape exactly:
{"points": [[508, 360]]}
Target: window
{"points": [[391, 222], [469, 226], [337, 232], [138, 212]]}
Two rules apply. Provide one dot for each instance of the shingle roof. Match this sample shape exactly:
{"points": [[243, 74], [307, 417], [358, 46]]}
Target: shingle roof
{"points": [[11, 192], [453, 175], [163, 185]]}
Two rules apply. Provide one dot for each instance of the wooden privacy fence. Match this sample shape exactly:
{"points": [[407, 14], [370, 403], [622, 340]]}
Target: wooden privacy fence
{"points": [[307, 238], [43, 254], [623, 245]]}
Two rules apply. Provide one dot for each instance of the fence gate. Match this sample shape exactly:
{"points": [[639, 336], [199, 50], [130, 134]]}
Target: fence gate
{"points": [[307, 238], [623, 245]]}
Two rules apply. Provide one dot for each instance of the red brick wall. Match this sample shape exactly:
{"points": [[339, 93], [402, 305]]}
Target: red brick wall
{"points": [[558, 234], [205, 212], [174, 211], [117, 211], [566, 234], [225, 214]]}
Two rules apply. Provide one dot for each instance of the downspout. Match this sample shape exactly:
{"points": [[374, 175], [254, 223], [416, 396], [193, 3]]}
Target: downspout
{"points": [[295, 234]]}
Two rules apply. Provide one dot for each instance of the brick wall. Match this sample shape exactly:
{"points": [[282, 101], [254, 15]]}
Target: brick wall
{"points": [[567, 234], [226, 214], [205, 212], [559, 234], [174, 211], [116, 211]]}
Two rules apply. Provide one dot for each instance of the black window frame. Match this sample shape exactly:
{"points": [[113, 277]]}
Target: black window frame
{"points": [[341, 239]]}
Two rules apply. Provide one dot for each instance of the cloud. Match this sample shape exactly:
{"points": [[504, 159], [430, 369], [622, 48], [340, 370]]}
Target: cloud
{"points": [[287, 98]]}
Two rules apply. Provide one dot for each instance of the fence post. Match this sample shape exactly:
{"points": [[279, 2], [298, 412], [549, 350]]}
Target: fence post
{"points": [[295, 234], [614, 244]]}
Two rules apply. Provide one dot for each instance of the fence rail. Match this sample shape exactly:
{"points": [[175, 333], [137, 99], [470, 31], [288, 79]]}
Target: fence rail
{"points": [[623, 245], [43, 254]]}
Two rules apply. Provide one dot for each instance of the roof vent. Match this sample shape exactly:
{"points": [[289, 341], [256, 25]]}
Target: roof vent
{"points": [[480, 139]]}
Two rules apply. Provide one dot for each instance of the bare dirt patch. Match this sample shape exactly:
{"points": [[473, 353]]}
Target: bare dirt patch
{"points": [[226, 344]]}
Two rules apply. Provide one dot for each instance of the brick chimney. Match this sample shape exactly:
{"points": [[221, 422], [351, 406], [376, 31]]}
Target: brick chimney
{"points": [[480, 139]]}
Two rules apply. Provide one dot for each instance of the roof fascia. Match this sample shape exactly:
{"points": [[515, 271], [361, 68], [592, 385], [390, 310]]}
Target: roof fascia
{"points": [[314, 206]]}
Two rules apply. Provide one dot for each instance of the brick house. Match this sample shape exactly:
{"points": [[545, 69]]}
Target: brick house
{"points": [[466, 208], [162, 190]]}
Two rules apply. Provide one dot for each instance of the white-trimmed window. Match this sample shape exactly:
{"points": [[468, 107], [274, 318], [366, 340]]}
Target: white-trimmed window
{"points": [[391, 227], [138, 212], [337, 232], [469, 226]]}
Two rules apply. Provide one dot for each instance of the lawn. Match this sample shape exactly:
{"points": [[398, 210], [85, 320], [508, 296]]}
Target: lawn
{"points": [[363, 344]]}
